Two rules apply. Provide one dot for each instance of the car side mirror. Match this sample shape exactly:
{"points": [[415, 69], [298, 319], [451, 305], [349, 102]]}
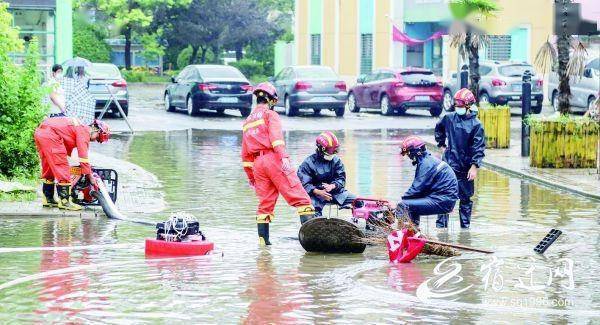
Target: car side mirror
{"points": [[360, 79], [271, 79], [173, 80], [587, 73]]}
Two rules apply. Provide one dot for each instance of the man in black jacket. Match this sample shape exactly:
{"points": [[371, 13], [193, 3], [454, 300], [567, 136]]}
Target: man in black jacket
{"points": [[323, 176]]}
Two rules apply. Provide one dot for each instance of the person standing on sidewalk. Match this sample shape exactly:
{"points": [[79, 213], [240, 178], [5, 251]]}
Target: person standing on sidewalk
{"points": [[56, 98], [461, 135], [267, 164], [80, 102]]}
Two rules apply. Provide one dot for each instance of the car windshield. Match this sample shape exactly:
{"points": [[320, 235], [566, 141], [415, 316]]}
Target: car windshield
{"points": [[104, 71], [316, 73], [220, 72], [418, 77], [515, 70]]}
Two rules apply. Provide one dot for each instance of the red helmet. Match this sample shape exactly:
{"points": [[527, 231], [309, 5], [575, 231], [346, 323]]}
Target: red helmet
{"points": [[412, 143], [463, 98], [328, 143], [103, 130], [265, 89]]}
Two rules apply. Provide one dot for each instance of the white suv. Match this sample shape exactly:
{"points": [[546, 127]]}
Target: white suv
{"points": [[583, 89]]}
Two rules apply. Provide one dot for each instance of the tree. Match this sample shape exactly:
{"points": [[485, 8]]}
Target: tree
{"points": [[21, 108], [468, 38], [569, 64], [134, 16], [89, 40], [203, 26]]}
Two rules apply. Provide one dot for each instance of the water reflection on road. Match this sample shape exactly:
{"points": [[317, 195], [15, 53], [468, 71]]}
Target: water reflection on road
{"points": [[200, 172]]}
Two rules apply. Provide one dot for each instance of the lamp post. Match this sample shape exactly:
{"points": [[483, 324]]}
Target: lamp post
{"points": [[525, 110]]}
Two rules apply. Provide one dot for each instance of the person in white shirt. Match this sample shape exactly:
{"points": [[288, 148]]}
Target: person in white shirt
{"points": [[56, 98]]}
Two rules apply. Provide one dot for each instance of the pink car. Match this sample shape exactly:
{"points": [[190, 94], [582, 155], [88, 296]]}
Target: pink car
{"points": [[396, 90]]}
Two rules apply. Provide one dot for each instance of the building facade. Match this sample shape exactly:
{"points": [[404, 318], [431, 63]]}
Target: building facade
{"points": [[355, 36], [48, 20]]}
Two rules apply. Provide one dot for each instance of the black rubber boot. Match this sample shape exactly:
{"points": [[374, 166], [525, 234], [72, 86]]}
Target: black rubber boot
{"points": [[464, 210], [48, 200], [263, 234], [65, 201]]}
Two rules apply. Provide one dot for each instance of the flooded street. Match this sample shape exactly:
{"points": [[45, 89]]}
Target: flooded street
{"points": [[111, 281]]}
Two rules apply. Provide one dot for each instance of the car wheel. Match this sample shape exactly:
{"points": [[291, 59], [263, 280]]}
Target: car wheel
{"points": [[591, 103], [317, 111], [484, 99], [191, 110], [448, 101], [289, 109], [352, 107], [168, 106], [220, 111], [435, 111], [384, 105], [339, 112], [555, 101], [245, 111], [125, 110]]}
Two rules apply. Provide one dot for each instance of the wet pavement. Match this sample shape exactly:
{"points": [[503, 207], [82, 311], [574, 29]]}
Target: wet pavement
{"points": [[111, 281]]}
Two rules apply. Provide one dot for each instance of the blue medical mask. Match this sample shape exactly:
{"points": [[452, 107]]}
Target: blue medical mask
{"points": [[461, 110]]}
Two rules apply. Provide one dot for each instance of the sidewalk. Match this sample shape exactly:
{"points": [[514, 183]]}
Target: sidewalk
{"points": [[137, 188], [581, 181]]}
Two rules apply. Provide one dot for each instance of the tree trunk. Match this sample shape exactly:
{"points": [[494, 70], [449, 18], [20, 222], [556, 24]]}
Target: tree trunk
{"points": [[239, 53], [473, 53], [564, 90], [194, 55], [216, 56], [203, 55], [128, 47]]}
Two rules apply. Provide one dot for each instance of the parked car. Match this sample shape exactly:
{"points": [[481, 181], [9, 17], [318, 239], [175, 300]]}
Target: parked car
{"points": [[310, 87], [500, 84], [583, 89], [396, 90], [207, 86], [105, 78]]}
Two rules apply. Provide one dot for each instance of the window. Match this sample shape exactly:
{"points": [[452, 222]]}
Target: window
{"points": [[498, 48], [366, 53], [386, 75], [371, 76], [484, 70], [39, 24], [219, 72], [515, 70], [316, 73], [315, 49]]}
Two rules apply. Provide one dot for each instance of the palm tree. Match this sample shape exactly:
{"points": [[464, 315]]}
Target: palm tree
{"points": [[468, 38], [569, 65]]}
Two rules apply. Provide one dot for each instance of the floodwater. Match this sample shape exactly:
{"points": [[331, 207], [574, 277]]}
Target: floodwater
{"points": [[111, 281]]}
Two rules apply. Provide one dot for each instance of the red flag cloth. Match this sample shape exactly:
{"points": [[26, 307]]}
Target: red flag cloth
{"points": [[399, 36]]}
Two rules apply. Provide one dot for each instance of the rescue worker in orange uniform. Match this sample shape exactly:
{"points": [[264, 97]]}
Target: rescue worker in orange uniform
{"points": [[268, 165], [55, 139]]}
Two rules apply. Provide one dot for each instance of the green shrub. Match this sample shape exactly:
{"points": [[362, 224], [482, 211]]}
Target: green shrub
{"points": [[249, 67], [21, 108], [88, 41], [184, 56]]}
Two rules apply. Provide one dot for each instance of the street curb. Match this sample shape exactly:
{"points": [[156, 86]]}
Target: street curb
{"points": [[148, 83], [536, 179]]}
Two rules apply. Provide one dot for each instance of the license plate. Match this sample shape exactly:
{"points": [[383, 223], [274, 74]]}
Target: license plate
{"points": [[324, 99], [422, 98], [516, 97], [516, 88], [227, 100]]}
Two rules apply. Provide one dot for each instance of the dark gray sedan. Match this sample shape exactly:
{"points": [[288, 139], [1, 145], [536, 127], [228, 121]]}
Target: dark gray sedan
{"points": [[310, 87]]}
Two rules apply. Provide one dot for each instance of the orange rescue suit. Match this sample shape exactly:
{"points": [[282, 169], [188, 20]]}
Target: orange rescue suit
{"points": [[262, 151], [55, 139]]}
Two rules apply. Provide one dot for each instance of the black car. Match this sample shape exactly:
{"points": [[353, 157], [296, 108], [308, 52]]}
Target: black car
{"points": [[214, 87]]}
